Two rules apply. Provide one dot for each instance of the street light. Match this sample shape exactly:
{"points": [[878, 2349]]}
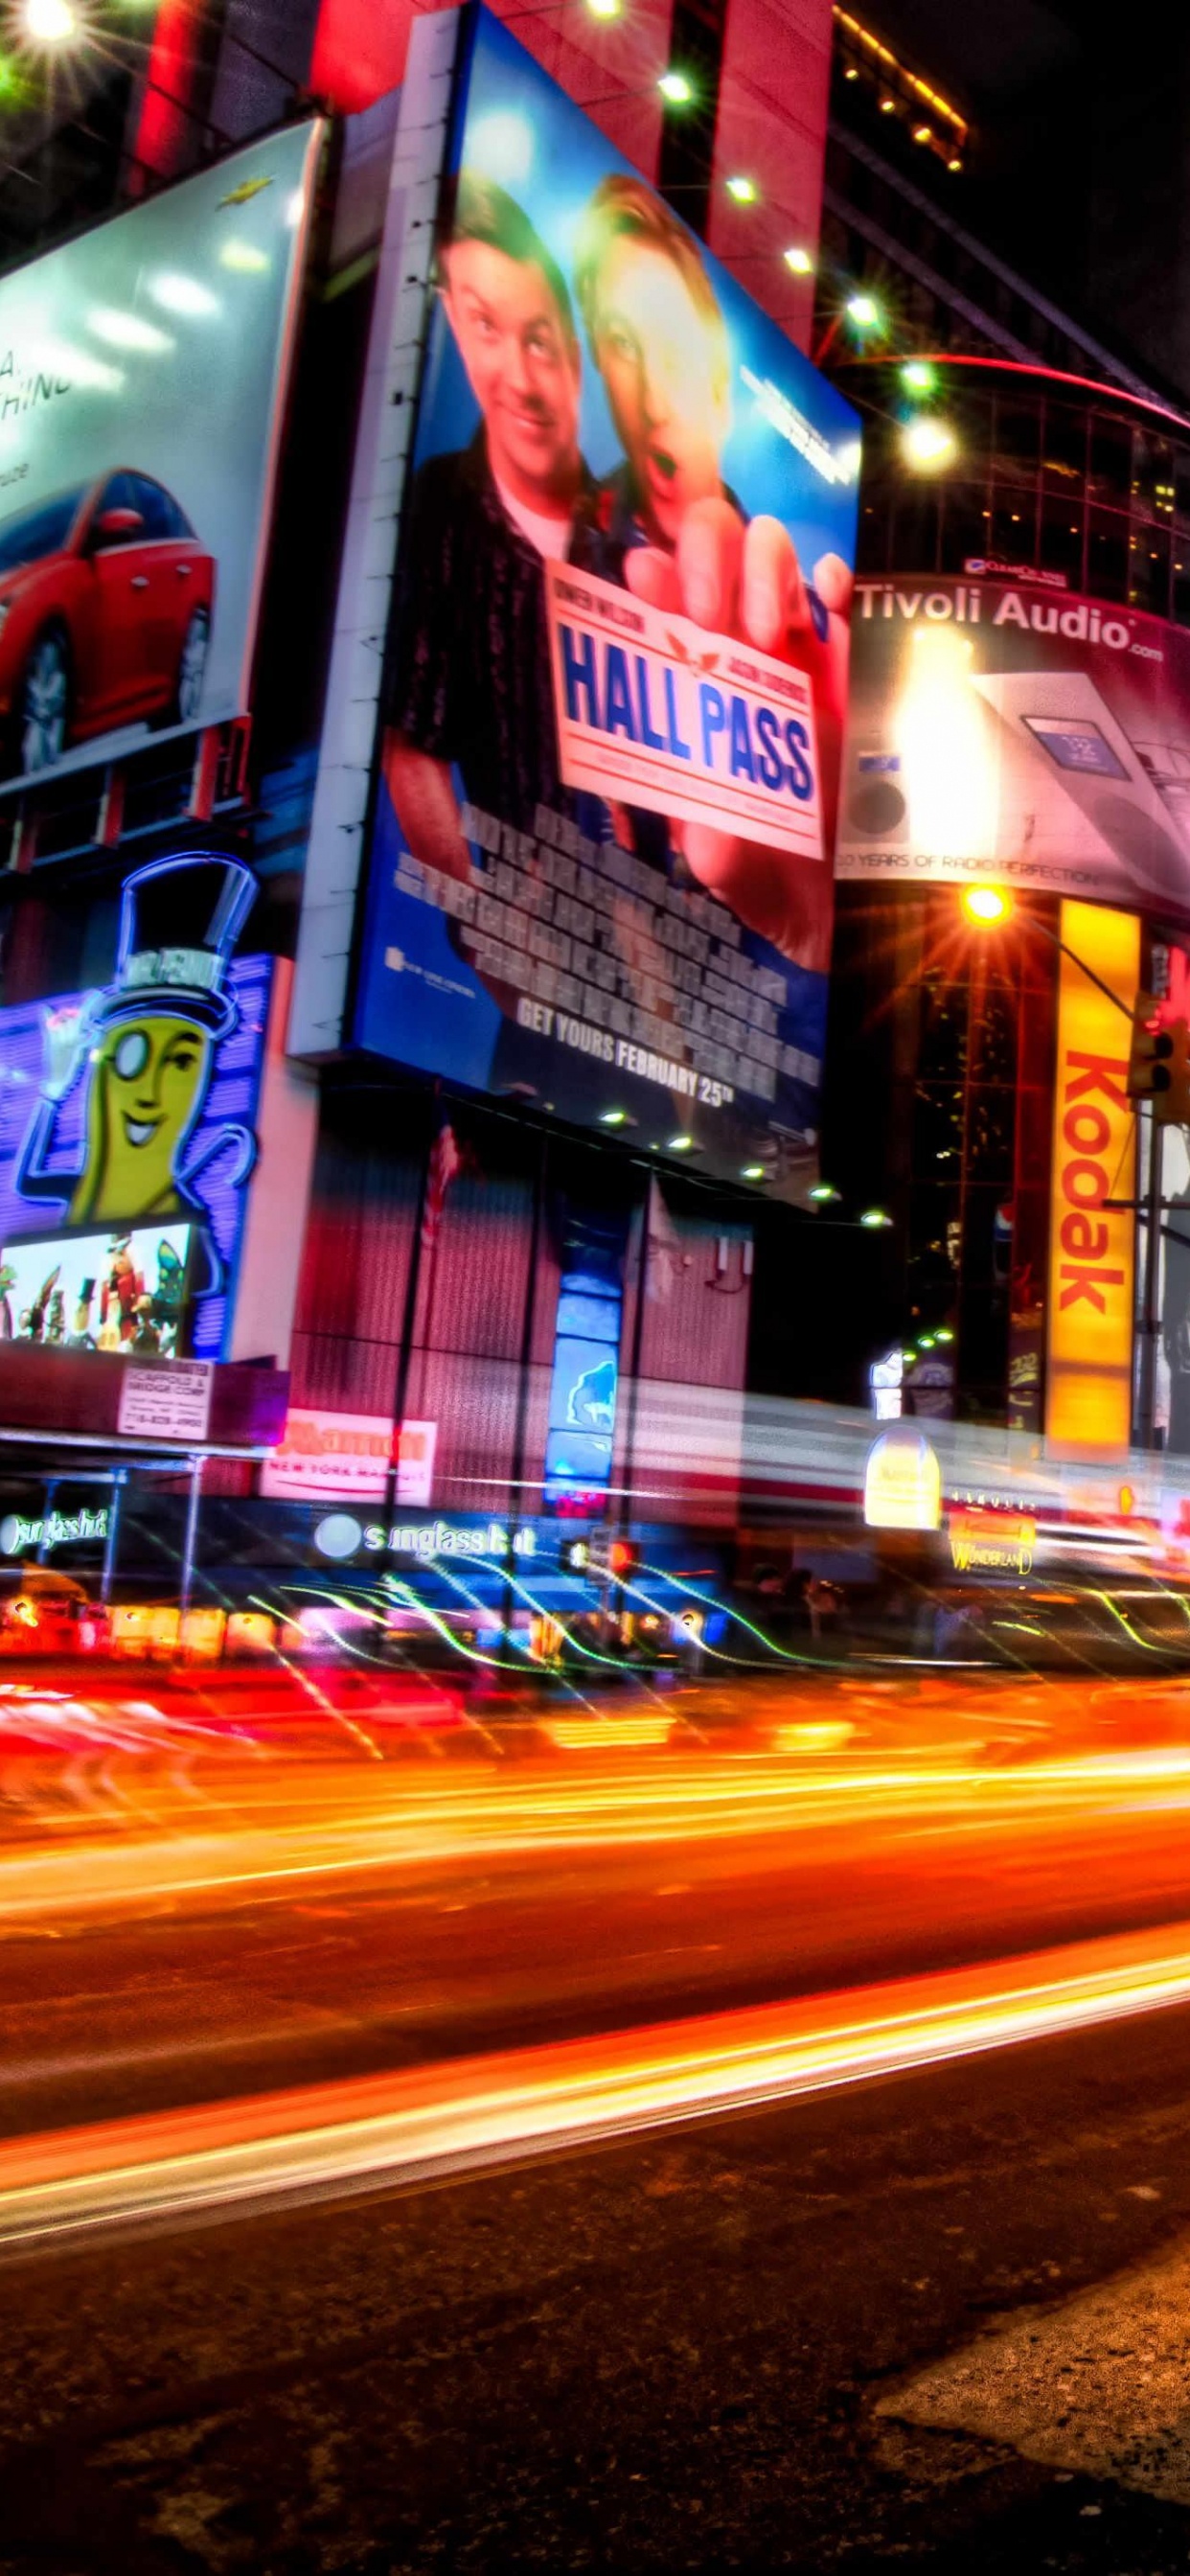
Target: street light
{"points": [[743, 189], [49, 22], [875, 1217], [798, 260], [676, 88], [861, 310], [987, 904], [991, 906], [917, 376]]}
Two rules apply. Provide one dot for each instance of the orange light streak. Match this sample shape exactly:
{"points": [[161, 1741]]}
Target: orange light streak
{"points": [[255, 1834], [407, 2127], [601, 1735]]}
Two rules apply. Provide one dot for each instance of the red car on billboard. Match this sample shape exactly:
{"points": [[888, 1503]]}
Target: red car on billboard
{"points": [[106, 599]]}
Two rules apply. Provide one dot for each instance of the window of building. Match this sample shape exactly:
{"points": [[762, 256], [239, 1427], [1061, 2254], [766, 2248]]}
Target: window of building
{"points": [[1014, 526], [934, 1238], [915, 531], [1017, 441], [1152, 476], [938, 1132], [1064, 446], [1107, 555], [994, 1033], [1111, 460], [1181, 483], [991, 1133], [1181, 588], [970, 414], [942, 1046], [966, 526], [1060, 544], [1148, 569], [871, 537]]}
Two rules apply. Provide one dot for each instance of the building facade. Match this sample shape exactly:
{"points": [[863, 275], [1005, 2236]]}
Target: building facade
{"points": [[363, 1276], [1018, 719]]}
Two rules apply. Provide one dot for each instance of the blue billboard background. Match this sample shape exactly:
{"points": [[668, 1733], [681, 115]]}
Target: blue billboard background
{"points": [[673, 1008]]}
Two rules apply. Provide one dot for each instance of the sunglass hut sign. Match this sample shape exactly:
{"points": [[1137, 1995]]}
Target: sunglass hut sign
{"points": [[659, 713]]}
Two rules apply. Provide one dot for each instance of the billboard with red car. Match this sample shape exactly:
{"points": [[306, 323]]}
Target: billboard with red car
{"points": [[142, 371]]}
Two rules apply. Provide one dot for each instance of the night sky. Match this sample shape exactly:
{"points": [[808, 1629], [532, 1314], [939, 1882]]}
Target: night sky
{"points": [[1079, 172]]}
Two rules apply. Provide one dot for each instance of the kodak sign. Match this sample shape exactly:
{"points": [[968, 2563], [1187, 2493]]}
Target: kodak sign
{"points": [[1092, 1281]]}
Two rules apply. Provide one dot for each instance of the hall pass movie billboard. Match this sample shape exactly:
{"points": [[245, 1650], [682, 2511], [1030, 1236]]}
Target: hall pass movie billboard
{"points": [[600, 874], [1007, 729], [142, 370]]}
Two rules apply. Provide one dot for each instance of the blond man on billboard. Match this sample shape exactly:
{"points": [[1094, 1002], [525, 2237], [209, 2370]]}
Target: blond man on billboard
{"points": [[660, 341]]}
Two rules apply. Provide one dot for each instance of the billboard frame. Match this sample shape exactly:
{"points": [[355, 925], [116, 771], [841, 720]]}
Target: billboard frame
{"points": [[761, 1091], [95, 754]]}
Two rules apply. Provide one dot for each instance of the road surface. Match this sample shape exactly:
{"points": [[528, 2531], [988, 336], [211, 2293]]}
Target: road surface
{"points": [[710, 2129]]}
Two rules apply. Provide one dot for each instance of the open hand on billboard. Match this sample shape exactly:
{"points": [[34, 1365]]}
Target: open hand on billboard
{"points": [[746, 582]]}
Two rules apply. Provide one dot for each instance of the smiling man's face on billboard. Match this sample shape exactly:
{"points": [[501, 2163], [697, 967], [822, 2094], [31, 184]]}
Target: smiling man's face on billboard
{"points": [[518, 346]]}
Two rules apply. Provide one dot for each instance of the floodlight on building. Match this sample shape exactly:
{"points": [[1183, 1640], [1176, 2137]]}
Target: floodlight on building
{"points": [[928, 444]]}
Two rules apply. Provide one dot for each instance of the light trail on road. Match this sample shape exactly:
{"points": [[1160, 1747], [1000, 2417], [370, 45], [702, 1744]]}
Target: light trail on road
{"points": [[551, 1927], [312, 1825], [371, 2132]]}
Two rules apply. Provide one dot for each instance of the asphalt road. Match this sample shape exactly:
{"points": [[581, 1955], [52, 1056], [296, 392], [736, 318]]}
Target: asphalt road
{"points": [[941, 2317], [698, 2351], [181, 1924]]}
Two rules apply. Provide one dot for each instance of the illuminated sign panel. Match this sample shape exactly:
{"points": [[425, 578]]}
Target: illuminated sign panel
{"points": [[351, 1455], [584, 1380], [902, 1482], [1092, 1257], [141, 373], [600, 869], [991, 1542], [127, 1126], [646, 713], [19, 1537], [1000, 729], [341, 1536], [126, 1292]]}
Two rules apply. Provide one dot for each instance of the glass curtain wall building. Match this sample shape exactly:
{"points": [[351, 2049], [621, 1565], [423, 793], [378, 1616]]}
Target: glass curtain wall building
{"points": [[1063, 507]]}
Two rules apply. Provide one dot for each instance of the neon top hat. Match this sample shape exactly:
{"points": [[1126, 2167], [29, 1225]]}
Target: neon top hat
{"points": [[180, 919]]}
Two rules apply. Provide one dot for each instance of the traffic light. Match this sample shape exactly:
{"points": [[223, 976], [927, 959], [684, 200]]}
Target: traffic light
{"points": [[1150, 1059], [1176, 1109]]}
